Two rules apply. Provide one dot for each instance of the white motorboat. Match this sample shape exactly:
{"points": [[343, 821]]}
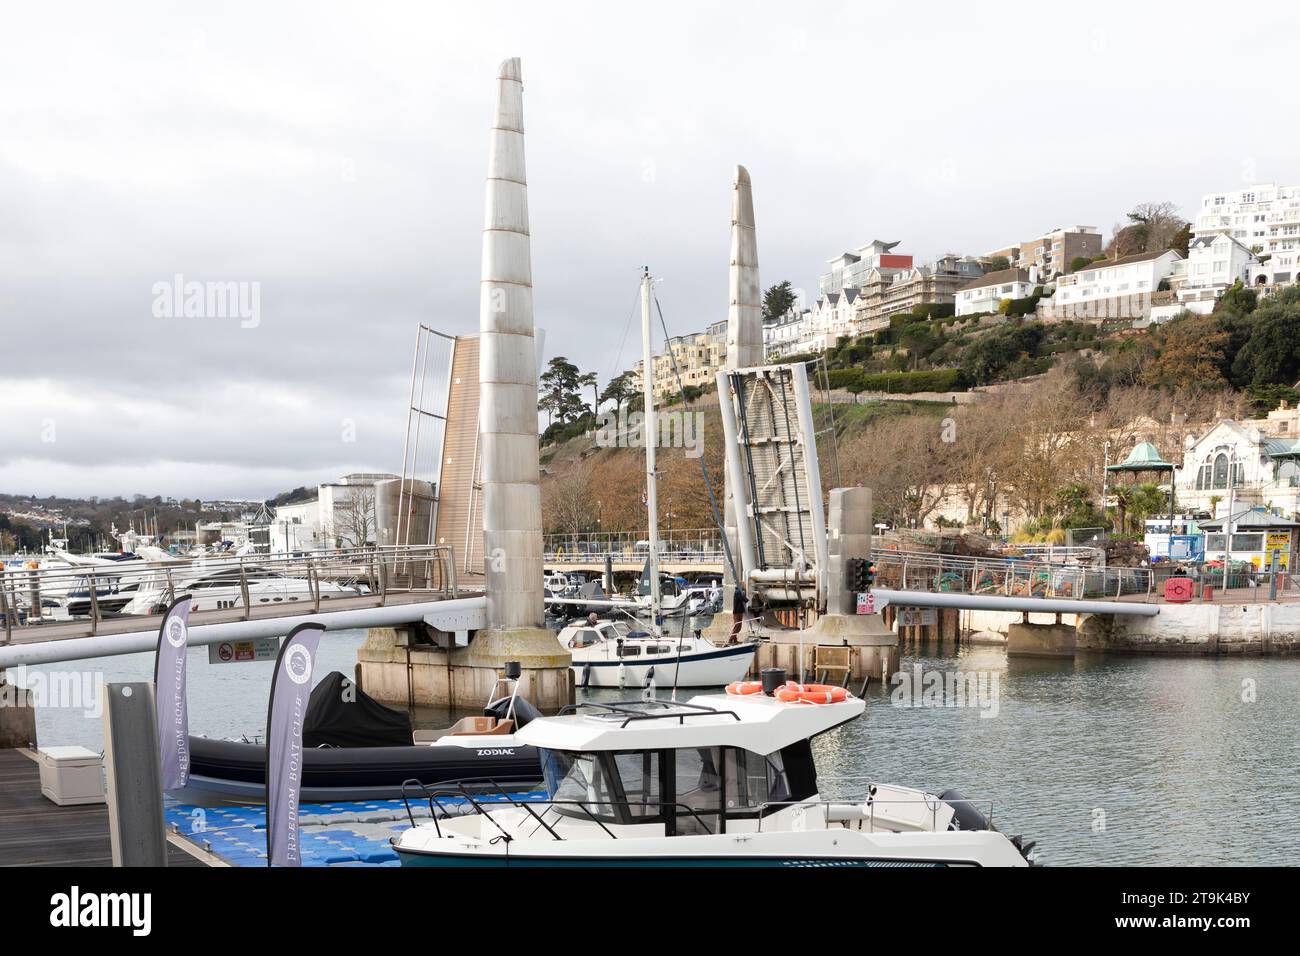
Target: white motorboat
{"points": [[724, 780], [606, 655], [223, 588], [672, 598]]}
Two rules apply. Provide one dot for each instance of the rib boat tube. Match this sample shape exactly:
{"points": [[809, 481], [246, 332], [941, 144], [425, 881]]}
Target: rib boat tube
{"points": [[358, 749], [225, 771]]}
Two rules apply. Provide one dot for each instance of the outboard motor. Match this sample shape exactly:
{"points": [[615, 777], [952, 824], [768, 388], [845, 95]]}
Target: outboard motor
{"points": [[501, 707], [524, 711], [965, 815]]}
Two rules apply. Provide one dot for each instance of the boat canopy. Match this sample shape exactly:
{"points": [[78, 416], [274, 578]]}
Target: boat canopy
{"points": [[760, 724]]}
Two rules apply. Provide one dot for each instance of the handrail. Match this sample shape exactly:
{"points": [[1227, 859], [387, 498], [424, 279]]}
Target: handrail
{"points": [[460, 792], [81, 591], [629, 707]]}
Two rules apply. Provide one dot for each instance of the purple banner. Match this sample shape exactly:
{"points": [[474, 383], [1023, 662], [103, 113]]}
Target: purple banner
{"points": [[290, 693], [169, 688]]}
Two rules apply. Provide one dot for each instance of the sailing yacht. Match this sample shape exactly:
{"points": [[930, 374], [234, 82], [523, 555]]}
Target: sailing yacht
{"points": [[605, 657], [606, 654]]}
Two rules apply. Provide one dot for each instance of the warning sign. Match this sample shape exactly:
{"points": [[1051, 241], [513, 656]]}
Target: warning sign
{"points": [[236, 652]]}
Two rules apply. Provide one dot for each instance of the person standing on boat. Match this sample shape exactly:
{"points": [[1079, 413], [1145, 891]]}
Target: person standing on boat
{"points": [[739, 602]]}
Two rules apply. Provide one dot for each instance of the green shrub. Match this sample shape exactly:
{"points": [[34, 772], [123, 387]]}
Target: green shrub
{"points": [[903, 383]]}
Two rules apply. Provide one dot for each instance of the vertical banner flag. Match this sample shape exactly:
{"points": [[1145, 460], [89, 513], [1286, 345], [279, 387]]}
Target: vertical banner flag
{"points": [[169, 688], [290, 693]]}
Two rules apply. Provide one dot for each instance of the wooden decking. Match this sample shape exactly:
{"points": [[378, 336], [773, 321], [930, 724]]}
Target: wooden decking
{"points": [[36, 832]]}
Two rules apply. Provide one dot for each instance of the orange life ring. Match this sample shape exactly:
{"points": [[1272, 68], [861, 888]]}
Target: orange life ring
{"points": [[793, 693], [744, 688]]}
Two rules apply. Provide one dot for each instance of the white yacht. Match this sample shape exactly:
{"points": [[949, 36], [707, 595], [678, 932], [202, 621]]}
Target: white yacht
{"points": [[724, 780], [608, 655], [222, 588], [672, 597]]}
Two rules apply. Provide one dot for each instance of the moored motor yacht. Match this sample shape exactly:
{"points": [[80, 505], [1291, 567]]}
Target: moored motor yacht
{"points": [[724, 780], [607, 655], [224, 588]]}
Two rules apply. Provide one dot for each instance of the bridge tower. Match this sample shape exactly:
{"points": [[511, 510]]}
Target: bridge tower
{"points": [[744, 349], [511, 494]]}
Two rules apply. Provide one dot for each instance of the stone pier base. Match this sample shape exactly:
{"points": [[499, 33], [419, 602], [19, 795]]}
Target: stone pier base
{"points": [[396, 672], [872, 647], [719, 629], [17, 717], [1040, 640]]}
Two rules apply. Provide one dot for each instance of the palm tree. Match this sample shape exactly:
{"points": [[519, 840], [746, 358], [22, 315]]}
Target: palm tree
{"points": [[1123, 495]]}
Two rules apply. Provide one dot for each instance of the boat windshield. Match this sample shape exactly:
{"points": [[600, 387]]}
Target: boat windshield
{"points": [[579, 784], [694, 785]]}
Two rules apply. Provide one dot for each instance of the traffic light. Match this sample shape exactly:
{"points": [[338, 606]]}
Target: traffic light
{"points": [[861, 574]]}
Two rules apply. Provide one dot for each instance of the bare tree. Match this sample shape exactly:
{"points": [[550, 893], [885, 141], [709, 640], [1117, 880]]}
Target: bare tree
{"points": [[354, 518], [568, 503], [904, 461]]}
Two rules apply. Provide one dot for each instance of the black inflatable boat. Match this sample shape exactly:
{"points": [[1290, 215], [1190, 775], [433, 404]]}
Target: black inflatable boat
{"points": [[358, 749]]}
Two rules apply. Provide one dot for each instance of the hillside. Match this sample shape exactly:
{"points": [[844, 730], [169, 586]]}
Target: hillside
{"points": [[588, 488]]}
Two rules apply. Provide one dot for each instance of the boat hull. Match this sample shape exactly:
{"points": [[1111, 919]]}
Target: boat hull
{"points": [[227, 772], [829, 848], [715, 668]]}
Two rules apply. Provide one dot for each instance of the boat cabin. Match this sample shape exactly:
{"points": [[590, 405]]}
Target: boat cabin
{"points": [[692, 768]]}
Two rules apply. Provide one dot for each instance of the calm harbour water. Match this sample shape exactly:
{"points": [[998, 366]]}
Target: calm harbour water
{"points": [[1164, 751]]}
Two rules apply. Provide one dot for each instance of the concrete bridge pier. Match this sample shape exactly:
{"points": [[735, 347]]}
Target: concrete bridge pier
{"points": [[872, 646], [1025, 639], [417, 666]]}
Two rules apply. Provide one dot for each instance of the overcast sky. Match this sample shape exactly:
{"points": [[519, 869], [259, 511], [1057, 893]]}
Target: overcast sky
{"points": [[334, 154]]}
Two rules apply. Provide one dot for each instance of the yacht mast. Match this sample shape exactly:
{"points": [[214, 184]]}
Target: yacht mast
{"points": [[651, 435]]}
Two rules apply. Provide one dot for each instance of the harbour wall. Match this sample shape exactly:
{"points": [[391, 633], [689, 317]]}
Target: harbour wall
{"points": [[1226, 629]]}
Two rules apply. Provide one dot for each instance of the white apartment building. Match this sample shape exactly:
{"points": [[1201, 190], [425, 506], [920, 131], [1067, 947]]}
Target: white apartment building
{"points": [[297, 528], [987, 292], [849, 270], [1264, 218], [1213, 265], [1112, 289], [341, 512], [831, 317], [698, 357], [784, 335]]}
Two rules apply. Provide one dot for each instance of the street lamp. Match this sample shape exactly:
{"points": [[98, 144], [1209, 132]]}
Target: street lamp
{"points": [[1105, 474]]}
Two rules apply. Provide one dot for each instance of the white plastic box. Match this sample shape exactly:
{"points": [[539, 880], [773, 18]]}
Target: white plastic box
{"points": [[71, 775]]}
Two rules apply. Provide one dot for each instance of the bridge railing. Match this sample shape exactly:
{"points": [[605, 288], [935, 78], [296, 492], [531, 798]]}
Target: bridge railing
{"points": [[49, 591], [682, 546], [1011, 577]]}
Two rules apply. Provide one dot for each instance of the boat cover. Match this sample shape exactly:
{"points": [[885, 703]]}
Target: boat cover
{"points": [[340, 714]]}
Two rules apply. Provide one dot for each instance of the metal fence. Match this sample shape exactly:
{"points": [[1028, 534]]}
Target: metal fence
{"points": [[689, 546], [1025, 576], [47, 592]]}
